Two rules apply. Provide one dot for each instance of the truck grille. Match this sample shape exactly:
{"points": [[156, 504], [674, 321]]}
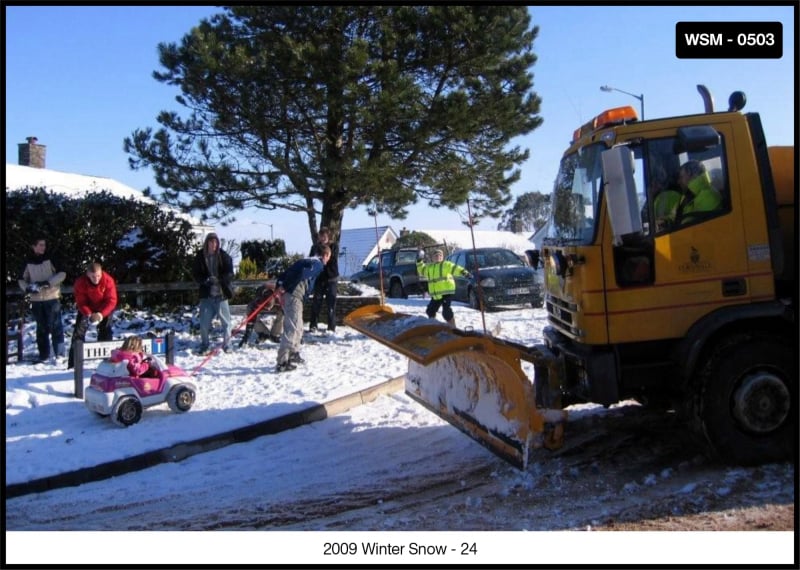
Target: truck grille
{"points": [[560, 314]]}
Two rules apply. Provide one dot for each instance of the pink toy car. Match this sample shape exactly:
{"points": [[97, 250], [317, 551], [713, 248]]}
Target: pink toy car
{"points": [[114, 392]]}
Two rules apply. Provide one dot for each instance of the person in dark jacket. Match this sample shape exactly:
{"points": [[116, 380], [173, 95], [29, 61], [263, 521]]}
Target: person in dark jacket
{"points": [[269, 302], [213, 271], [327, 282], [42, 283], [294, 284], [95, 300]]}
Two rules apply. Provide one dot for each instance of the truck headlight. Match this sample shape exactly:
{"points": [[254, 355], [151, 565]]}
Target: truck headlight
{"points": [[488, 282]]}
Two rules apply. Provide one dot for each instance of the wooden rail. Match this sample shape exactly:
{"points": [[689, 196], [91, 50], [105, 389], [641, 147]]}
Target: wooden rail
{"points": [[13, 291]]}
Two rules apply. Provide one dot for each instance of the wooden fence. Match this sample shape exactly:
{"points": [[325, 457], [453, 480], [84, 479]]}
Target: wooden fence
{"points": [[13, 292], [344, 303]]}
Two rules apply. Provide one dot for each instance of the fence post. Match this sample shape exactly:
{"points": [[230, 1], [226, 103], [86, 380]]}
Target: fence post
{"points": [[140, 295], [77, 346], [171, 347]]}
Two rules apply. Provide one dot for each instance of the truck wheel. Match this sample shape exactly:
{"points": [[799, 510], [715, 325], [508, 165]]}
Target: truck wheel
{"points": [[396, 290], [747, 408], [127, 411], [181, 399]]}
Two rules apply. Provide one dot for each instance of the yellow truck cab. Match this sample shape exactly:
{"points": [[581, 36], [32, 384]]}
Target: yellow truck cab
{"points": [[670, 276]]}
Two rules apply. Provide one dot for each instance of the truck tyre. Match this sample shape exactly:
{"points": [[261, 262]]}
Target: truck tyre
{"points": [[747, 406], [396, 290], [180, 399], [127, 411]]}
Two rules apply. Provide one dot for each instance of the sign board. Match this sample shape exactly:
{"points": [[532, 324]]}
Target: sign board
{"points": [[98, 350]]}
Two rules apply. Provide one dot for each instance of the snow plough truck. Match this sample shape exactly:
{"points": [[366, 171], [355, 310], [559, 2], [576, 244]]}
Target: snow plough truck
{"points": [[669, 271]]}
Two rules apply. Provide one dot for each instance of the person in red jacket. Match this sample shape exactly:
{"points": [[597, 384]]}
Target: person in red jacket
{"points": [[95, 301]]}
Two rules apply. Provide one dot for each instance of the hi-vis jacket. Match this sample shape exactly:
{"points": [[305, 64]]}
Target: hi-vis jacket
{"points": [[440, 277]]}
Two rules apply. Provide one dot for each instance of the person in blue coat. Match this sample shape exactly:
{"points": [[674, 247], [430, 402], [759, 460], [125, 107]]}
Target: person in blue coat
{"points": [[293, 285]]}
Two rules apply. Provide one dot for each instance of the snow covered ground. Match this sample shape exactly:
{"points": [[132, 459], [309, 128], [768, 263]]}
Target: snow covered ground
{"points": [[373, 450]]}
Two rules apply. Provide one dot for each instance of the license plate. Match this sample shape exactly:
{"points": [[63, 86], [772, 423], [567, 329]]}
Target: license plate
{"points": [[518, 291]]}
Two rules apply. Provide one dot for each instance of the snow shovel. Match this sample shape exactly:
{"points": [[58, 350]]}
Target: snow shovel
{"points": [[471, 380]]}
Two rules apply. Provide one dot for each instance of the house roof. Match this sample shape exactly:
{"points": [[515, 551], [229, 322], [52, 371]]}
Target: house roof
{"points": [[462, 239], [358, 245], [78, 185]]}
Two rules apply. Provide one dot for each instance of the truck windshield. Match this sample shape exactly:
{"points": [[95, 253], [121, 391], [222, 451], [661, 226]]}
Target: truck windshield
{"points": [[576, 197]]}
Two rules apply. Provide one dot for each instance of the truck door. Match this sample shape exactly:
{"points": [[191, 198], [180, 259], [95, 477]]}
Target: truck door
{"points": [[687, 259]]}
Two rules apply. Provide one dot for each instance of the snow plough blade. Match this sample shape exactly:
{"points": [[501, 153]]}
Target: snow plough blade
{"points": [[470, 380]]}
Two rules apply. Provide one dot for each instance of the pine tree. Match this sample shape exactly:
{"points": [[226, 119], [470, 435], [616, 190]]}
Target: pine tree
{"points": [[529, 213], [319, 109]]}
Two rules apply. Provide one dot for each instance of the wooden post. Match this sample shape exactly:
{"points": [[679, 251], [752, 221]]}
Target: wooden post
{"points": [[77, 347]]}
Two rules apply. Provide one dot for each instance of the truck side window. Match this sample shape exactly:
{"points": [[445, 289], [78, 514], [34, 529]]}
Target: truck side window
{"points": [[696, 187]]}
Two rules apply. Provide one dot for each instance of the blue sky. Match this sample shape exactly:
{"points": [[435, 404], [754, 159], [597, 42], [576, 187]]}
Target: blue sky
{"points": [[80, 79]]}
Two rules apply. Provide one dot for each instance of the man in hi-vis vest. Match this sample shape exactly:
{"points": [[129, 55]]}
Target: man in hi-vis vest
{"points": [[441, 284]]}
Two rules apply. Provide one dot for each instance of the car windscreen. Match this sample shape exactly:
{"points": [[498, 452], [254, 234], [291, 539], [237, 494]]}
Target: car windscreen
{"points": [[493, 258]]}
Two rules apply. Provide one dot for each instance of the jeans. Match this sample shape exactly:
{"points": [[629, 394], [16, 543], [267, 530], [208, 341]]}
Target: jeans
{"points": [[209, 308], [327, 289], [49, 327], [292, 323]]}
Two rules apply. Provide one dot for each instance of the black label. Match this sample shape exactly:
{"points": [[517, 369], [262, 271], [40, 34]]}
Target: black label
{"points": [[729, 40]]}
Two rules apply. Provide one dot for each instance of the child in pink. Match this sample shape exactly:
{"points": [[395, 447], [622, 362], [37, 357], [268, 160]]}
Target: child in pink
{"points": [[132, 351]]}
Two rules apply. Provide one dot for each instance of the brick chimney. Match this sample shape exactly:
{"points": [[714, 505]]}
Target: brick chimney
{"points": [[31, 153]]}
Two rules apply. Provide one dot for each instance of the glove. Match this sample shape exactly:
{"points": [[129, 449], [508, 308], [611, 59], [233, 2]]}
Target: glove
{"points": [[96, 317], [43, 284], [468, 275], [32, 288], [421, 255]]}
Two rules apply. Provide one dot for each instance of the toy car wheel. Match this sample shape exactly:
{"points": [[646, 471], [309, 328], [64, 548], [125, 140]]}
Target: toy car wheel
{"points": [[181, 399], [127, 411]]}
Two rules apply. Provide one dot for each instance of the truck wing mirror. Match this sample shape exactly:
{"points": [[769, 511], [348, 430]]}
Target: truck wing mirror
{"points": [[696, 138], [620, 190], [533, 257]]}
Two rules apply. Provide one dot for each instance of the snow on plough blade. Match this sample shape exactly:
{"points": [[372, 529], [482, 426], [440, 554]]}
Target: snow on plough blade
{"points": [[468, 379]]}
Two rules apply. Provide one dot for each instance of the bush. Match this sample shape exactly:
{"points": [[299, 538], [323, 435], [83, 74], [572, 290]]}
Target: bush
{"points": [[134, 240], [413, 239], [248, 269]]}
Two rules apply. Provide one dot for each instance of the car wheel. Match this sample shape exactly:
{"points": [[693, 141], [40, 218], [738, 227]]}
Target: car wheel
{"points": [[474, 301], [127, 411], [396, 290], [181, 399]]}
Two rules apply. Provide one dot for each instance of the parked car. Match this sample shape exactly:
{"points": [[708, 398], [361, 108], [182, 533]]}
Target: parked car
{"points": [[505, 279], [399, 267]]}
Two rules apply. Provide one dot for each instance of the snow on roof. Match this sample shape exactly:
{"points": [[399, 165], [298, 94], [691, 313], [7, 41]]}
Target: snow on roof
{"points": [[77, 185], [462, 239], [358, 245]]}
